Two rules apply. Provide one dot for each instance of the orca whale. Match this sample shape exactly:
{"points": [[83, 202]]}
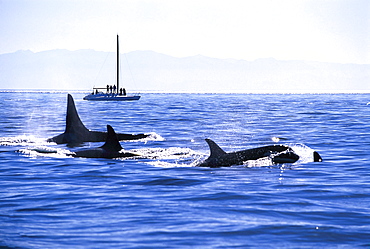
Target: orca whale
{"points": [[278, 154], [111, 149], [76, 132]]}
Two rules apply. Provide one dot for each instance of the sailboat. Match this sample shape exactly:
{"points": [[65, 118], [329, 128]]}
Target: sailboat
{"points": [[113, 93]]}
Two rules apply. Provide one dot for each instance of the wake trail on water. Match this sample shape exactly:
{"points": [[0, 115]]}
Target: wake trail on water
{"points": [[159, 157], [169, 157], [25, 140], [39, 147]]}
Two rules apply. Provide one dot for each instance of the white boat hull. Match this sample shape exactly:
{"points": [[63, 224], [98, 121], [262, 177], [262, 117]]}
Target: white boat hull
{"points": [[111, 97]]}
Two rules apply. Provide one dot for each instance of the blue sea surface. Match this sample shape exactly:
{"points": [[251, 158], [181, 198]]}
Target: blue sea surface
{"points": [[161, 199]]}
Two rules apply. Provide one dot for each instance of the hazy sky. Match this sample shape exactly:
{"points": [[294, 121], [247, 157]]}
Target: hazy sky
{"points": [[319, 30]]}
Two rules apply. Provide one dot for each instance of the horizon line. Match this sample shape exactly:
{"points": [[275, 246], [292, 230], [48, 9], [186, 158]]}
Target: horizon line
{"points": [[81, 91]]}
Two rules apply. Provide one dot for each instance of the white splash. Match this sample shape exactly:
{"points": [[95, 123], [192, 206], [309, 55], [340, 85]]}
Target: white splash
{"points": [[44, 151], [23, 140], [168, 157], [304, 152]]}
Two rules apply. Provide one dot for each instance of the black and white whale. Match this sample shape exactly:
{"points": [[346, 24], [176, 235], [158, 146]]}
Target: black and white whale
{"points": [[76, 132], [278, 154], [111, 149]]}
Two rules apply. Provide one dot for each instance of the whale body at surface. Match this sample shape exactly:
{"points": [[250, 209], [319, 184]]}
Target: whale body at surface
{"points": [[111, 149], [277, 153]]}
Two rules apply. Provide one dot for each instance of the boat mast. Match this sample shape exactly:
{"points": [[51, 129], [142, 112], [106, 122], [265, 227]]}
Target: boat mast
{"points": [[117, 65]]}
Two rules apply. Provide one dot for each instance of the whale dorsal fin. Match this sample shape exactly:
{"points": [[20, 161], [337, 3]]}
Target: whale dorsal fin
{"points": [[73, 121], [316, 157], [214, 148], [112, 143]]}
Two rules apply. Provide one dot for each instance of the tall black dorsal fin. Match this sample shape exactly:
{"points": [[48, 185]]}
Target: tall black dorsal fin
{"points": [[214, 148], [112, 143], [73, 121]]}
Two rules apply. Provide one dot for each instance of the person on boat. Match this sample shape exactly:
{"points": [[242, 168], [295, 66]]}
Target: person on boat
{"points": [[114, 89], [111, 89], [124, 91], [120, 91], [107, 89]]}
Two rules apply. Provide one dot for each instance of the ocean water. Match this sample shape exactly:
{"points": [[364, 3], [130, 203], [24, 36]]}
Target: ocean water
{"points": [[161, 199]]}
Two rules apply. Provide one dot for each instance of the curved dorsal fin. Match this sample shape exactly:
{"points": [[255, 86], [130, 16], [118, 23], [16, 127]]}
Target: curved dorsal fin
{"points": [[112, 143], [73, 121], [214, 148]]}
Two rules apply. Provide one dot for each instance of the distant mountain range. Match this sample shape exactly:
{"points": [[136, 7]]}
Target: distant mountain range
{"points": [[151, 71]]}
